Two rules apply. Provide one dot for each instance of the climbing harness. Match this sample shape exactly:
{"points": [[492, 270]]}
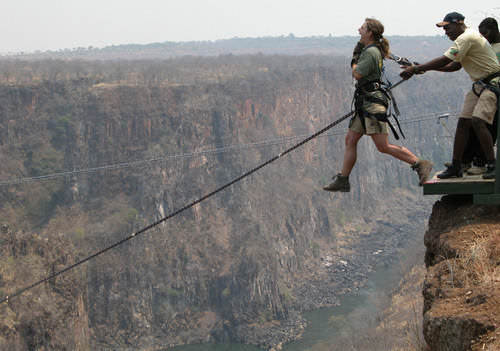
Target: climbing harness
{"points": [[484, 84], [366, 92], [403, 61]]}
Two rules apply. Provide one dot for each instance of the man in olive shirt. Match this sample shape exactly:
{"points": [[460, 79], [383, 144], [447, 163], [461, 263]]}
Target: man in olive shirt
{"points": [[472, 52]]}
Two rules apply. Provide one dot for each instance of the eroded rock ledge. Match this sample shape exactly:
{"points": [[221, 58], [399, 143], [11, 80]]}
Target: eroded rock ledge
{"points": [[462, 285]]}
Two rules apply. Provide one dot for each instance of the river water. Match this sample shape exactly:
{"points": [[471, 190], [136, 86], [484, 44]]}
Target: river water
{"points": [[327, 325]]}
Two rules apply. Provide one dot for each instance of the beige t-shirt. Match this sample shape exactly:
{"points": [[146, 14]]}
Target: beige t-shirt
{"points": [[496, 48], [475, 55]]}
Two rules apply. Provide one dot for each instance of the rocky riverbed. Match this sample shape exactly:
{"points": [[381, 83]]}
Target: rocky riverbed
{"points": [[337, 276]]}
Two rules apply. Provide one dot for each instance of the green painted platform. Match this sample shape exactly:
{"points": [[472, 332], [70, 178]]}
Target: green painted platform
{"points": [[483, 190], [459, 186]]}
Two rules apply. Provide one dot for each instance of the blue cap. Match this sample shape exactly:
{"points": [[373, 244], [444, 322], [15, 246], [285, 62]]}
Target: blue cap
{"points": [[452, 17]]}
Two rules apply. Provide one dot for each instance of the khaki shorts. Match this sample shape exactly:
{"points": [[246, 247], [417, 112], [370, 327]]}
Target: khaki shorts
{"points": [[373, 126], [482, 107]]}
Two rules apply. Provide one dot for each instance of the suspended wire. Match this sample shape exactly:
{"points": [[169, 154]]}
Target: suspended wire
{"points": [[215, 151], [175, 213]]}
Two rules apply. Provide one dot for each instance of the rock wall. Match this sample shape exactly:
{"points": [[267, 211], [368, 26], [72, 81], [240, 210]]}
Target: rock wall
{"points": [[243, 265], [462, 285], [55, 315]]}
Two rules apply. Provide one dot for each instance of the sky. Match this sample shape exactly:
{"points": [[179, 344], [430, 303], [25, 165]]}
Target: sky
{"points": [[30, 25]]}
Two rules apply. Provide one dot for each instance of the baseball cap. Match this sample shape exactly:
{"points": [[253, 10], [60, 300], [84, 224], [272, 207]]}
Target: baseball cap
{"points": [[452, 17]]}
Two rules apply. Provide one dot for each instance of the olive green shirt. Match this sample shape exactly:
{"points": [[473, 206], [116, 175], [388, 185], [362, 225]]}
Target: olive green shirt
{"points": [[369, 67]]}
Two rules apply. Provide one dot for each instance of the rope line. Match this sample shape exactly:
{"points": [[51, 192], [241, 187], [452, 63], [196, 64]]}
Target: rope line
{"points": [[269, 142], [175, 213]]}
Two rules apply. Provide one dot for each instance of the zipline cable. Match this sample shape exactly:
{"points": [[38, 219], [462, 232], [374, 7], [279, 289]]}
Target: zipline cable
{"points": [[219, 150], [186, 207]]}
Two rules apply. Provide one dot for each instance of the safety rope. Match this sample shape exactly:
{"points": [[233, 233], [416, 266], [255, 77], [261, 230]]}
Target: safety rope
{"points": [[188, 206]]}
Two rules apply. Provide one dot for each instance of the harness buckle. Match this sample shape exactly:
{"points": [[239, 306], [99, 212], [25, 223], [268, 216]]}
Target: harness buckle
{"points": [[479, 84]]}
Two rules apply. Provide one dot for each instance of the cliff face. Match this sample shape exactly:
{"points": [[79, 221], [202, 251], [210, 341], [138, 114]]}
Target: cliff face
{"points": [[241, 266], [462, 285], [53, 317]]}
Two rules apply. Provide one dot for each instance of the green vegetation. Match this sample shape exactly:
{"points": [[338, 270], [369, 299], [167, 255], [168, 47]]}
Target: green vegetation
{"points": [[265, 316], [79, 233], [61, 131], [287, 294], [226, 292], [42, 160], [42, 203], [341, 217], [316, 249], [175, 293], [290, 45]]}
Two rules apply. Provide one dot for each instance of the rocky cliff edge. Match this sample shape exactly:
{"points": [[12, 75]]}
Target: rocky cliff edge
{"points": [[462, 285]]}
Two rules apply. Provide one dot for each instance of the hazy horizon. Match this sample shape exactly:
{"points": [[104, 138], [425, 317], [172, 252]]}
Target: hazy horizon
{"points": [[30, 25]]}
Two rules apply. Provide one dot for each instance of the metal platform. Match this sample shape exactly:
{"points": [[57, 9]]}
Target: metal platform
{"points": [[483, 190]]}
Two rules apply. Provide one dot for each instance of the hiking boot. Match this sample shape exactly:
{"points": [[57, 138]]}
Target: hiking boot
{"points": [[490, 171], [423, 169], [340, 183], [453, 171]]}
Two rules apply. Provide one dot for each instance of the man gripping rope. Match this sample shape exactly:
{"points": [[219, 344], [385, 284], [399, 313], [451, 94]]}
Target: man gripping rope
{"points": [[472, 52]]}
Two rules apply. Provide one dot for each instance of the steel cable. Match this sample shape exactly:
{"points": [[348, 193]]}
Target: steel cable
{"points": [[175, 213], [215, 151]]}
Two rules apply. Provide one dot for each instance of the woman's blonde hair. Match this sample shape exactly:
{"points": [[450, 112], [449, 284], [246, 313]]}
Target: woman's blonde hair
{"points": [[377, 29]]}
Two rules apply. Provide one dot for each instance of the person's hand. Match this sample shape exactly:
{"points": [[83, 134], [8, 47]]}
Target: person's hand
{"points": [[408, 72], [418, 71], [357, 52]]}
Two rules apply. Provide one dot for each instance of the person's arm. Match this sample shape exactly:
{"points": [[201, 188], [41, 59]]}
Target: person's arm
{"points": [[355, 73], [365, 65], [442, 63], [356, 53], [450, 67]]}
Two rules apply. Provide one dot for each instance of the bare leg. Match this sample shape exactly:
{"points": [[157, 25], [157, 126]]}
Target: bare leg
{"points": [[401, 153], [350, 153]]}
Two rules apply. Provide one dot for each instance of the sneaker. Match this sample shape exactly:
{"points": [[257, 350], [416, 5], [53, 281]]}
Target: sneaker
{"points": [[490, 171], [465, 166], [475, 170], [340, 183], [451, 172], [423, 169]]}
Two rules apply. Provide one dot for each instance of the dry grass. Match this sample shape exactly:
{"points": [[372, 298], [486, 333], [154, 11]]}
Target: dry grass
{"points": [[480, 259]]}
